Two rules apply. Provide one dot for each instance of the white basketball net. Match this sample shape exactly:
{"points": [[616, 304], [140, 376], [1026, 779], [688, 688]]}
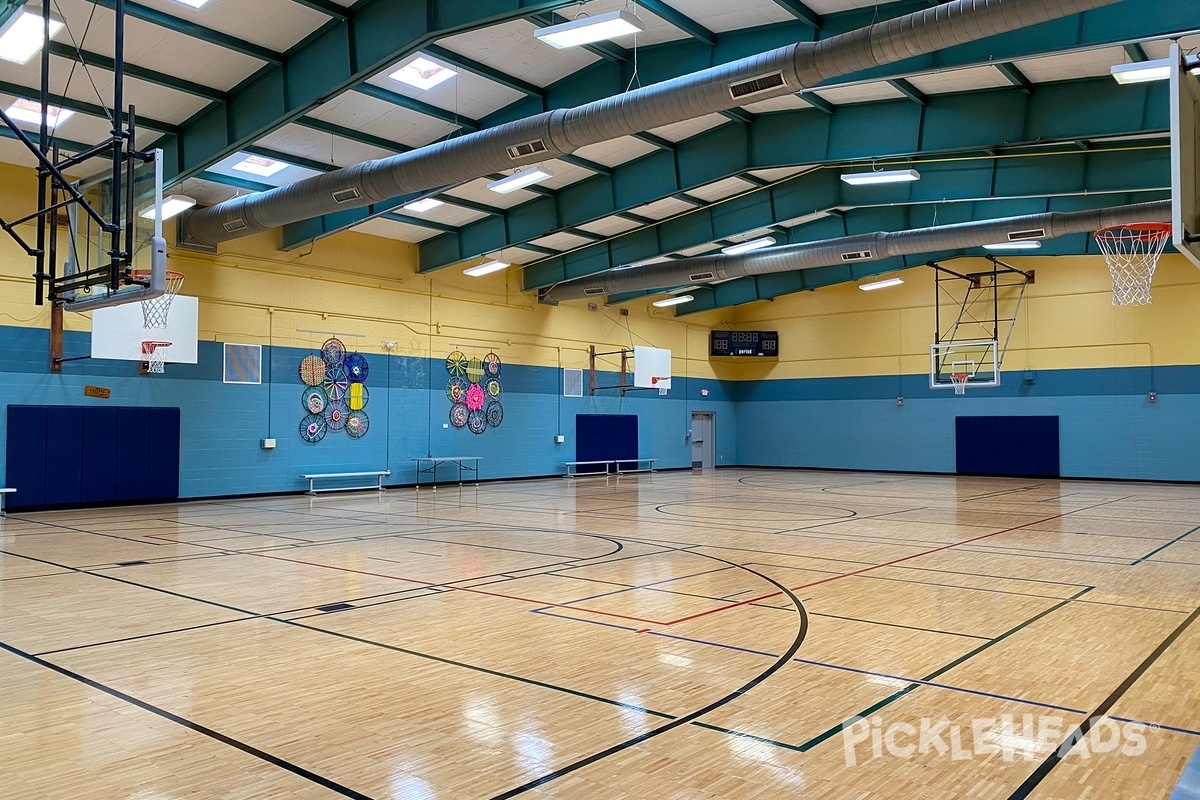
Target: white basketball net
{"points": [[156, 356], [1132, 253], [959, 379], [155, 312]]}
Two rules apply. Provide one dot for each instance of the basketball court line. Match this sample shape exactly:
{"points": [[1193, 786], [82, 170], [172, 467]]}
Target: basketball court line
{"points": [[1164, 547]]}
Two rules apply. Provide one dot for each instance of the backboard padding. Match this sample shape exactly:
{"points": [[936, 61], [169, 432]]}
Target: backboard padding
{"points": [[1185, 157], [118, 332]]}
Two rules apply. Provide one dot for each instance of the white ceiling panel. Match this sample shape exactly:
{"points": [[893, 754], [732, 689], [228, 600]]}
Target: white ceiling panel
{"points": [[719, 190], [302, 142], [207, 193], [661, 209], [565, 174], [616, 152], [833, 6], [789, 102], [274, 24], [860, 93], [610, 226], [561, 241], [448, 214], [689, 128], [380, 118], [391, 229], [960, 80], [1065, 66], [518, 255], [722, 15], [1162, 49], [707, 247], [779, 173], [157, 48], [512, 49], [466, 93]]}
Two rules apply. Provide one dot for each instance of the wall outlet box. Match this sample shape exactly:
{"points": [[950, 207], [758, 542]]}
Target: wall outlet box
{"points": [[268, 444], [559, 439], [445, 424]]}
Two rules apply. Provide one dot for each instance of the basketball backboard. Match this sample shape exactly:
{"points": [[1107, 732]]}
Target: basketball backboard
{"points": [[119, 331], [651, 368], [978, 360], [1185, 157]]}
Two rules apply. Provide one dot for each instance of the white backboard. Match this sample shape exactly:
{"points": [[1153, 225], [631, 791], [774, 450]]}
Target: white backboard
{"points": [[118, 332], [1185, 157], [651, 368]]}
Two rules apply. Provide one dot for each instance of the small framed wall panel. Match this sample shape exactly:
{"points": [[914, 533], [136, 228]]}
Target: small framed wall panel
{"points": [[243, 363]]}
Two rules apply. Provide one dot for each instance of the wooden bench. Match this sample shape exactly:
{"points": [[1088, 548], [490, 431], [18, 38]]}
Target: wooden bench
{"points": [[2, 493], [577, 464], [649, 462], [379, 475]]}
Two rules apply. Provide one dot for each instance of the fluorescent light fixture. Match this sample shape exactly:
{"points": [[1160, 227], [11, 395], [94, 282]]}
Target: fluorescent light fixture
{"points": [[258, 165], [673, 301], [423, 205], [883, 284], [585, 30], [1020, 244], [30, 112], [486, 268], [172, 205], [192, 3], [1142, 71], [22, 34], [884, 176], [421, 73], [750, 246], [519, 180]]}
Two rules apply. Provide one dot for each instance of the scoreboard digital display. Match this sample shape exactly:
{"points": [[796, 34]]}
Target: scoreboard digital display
{"points": [[761, 344]]}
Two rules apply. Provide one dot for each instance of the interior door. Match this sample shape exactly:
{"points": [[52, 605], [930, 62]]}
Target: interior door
{"points": [[703, 440]]}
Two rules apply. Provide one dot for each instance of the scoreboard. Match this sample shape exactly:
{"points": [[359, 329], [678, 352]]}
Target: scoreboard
{"points": [[744, 343]]}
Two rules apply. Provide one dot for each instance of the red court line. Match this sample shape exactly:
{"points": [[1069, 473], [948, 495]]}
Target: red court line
{"points": [[887, 564], [434, 585]]}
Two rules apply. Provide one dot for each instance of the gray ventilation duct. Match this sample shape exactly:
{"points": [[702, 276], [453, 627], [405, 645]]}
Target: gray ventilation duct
{"points": [[780, 72], [853, 250]]}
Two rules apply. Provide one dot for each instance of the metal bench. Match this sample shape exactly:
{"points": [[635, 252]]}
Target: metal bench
{"points": [[576, 464], [649, 462], [379, 475], [2, 493]]}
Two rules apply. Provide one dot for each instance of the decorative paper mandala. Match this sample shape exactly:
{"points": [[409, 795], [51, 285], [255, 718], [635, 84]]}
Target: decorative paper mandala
{"points": [[312, 370], [313, 400], [493, 388], [491, 365], [474, 370], [333, 351], [336, 384], [458, 415], [335, 415], [313, 428], [476, 422], [456, 390], [475, 397], [356, 367], [494, 413], [357, 424], [456, 364]]}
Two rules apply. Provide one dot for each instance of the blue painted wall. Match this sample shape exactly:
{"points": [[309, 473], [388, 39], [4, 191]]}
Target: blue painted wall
{"points": [[222, 424]]}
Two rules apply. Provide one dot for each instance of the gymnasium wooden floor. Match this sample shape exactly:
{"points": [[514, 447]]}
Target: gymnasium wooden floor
{"points": [[675, 635]]}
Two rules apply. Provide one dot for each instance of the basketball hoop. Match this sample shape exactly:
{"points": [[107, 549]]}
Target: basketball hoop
{"points": [[155, 311], [959, 379], [1132, 252], [155, 354]]}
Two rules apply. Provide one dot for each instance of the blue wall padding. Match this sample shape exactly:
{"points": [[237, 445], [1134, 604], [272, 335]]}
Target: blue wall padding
{"points": [[1024, 446], [606, 437]]}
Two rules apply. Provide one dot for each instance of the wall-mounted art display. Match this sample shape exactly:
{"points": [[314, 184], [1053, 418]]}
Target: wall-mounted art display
{"points": [[335, 393], [474, 391]]}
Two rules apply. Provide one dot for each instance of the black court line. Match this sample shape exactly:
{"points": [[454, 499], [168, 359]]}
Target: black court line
{"points": [[295, 769], [1164, 547], [801, 632], [1055, 758]]}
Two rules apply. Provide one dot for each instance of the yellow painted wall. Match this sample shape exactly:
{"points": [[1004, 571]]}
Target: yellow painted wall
{"points": [[367, 289]]}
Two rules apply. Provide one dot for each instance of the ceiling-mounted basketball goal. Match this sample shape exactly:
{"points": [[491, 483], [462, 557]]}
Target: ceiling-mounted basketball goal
{"points": [[651, 369]]}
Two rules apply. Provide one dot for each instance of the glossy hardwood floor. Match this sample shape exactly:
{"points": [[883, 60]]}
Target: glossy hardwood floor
{"points": [[674, 635]]}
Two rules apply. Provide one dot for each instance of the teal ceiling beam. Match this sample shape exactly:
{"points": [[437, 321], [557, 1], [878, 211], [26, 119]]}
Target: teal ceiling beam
{"points": [[66, 144], [964, 122], [483, 70], [325, 7], [82, 107], [299, 161], [1015, 76], [349, 133], [657, 141], [819, 103], [236, 183], [681, 21], [418, 222], [802, 13], [594, 166], [908, 90], [374, 35], [427, 109], [1136, 52], [1095, 172], [141, 73], [868, 220], [195, 31]]}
